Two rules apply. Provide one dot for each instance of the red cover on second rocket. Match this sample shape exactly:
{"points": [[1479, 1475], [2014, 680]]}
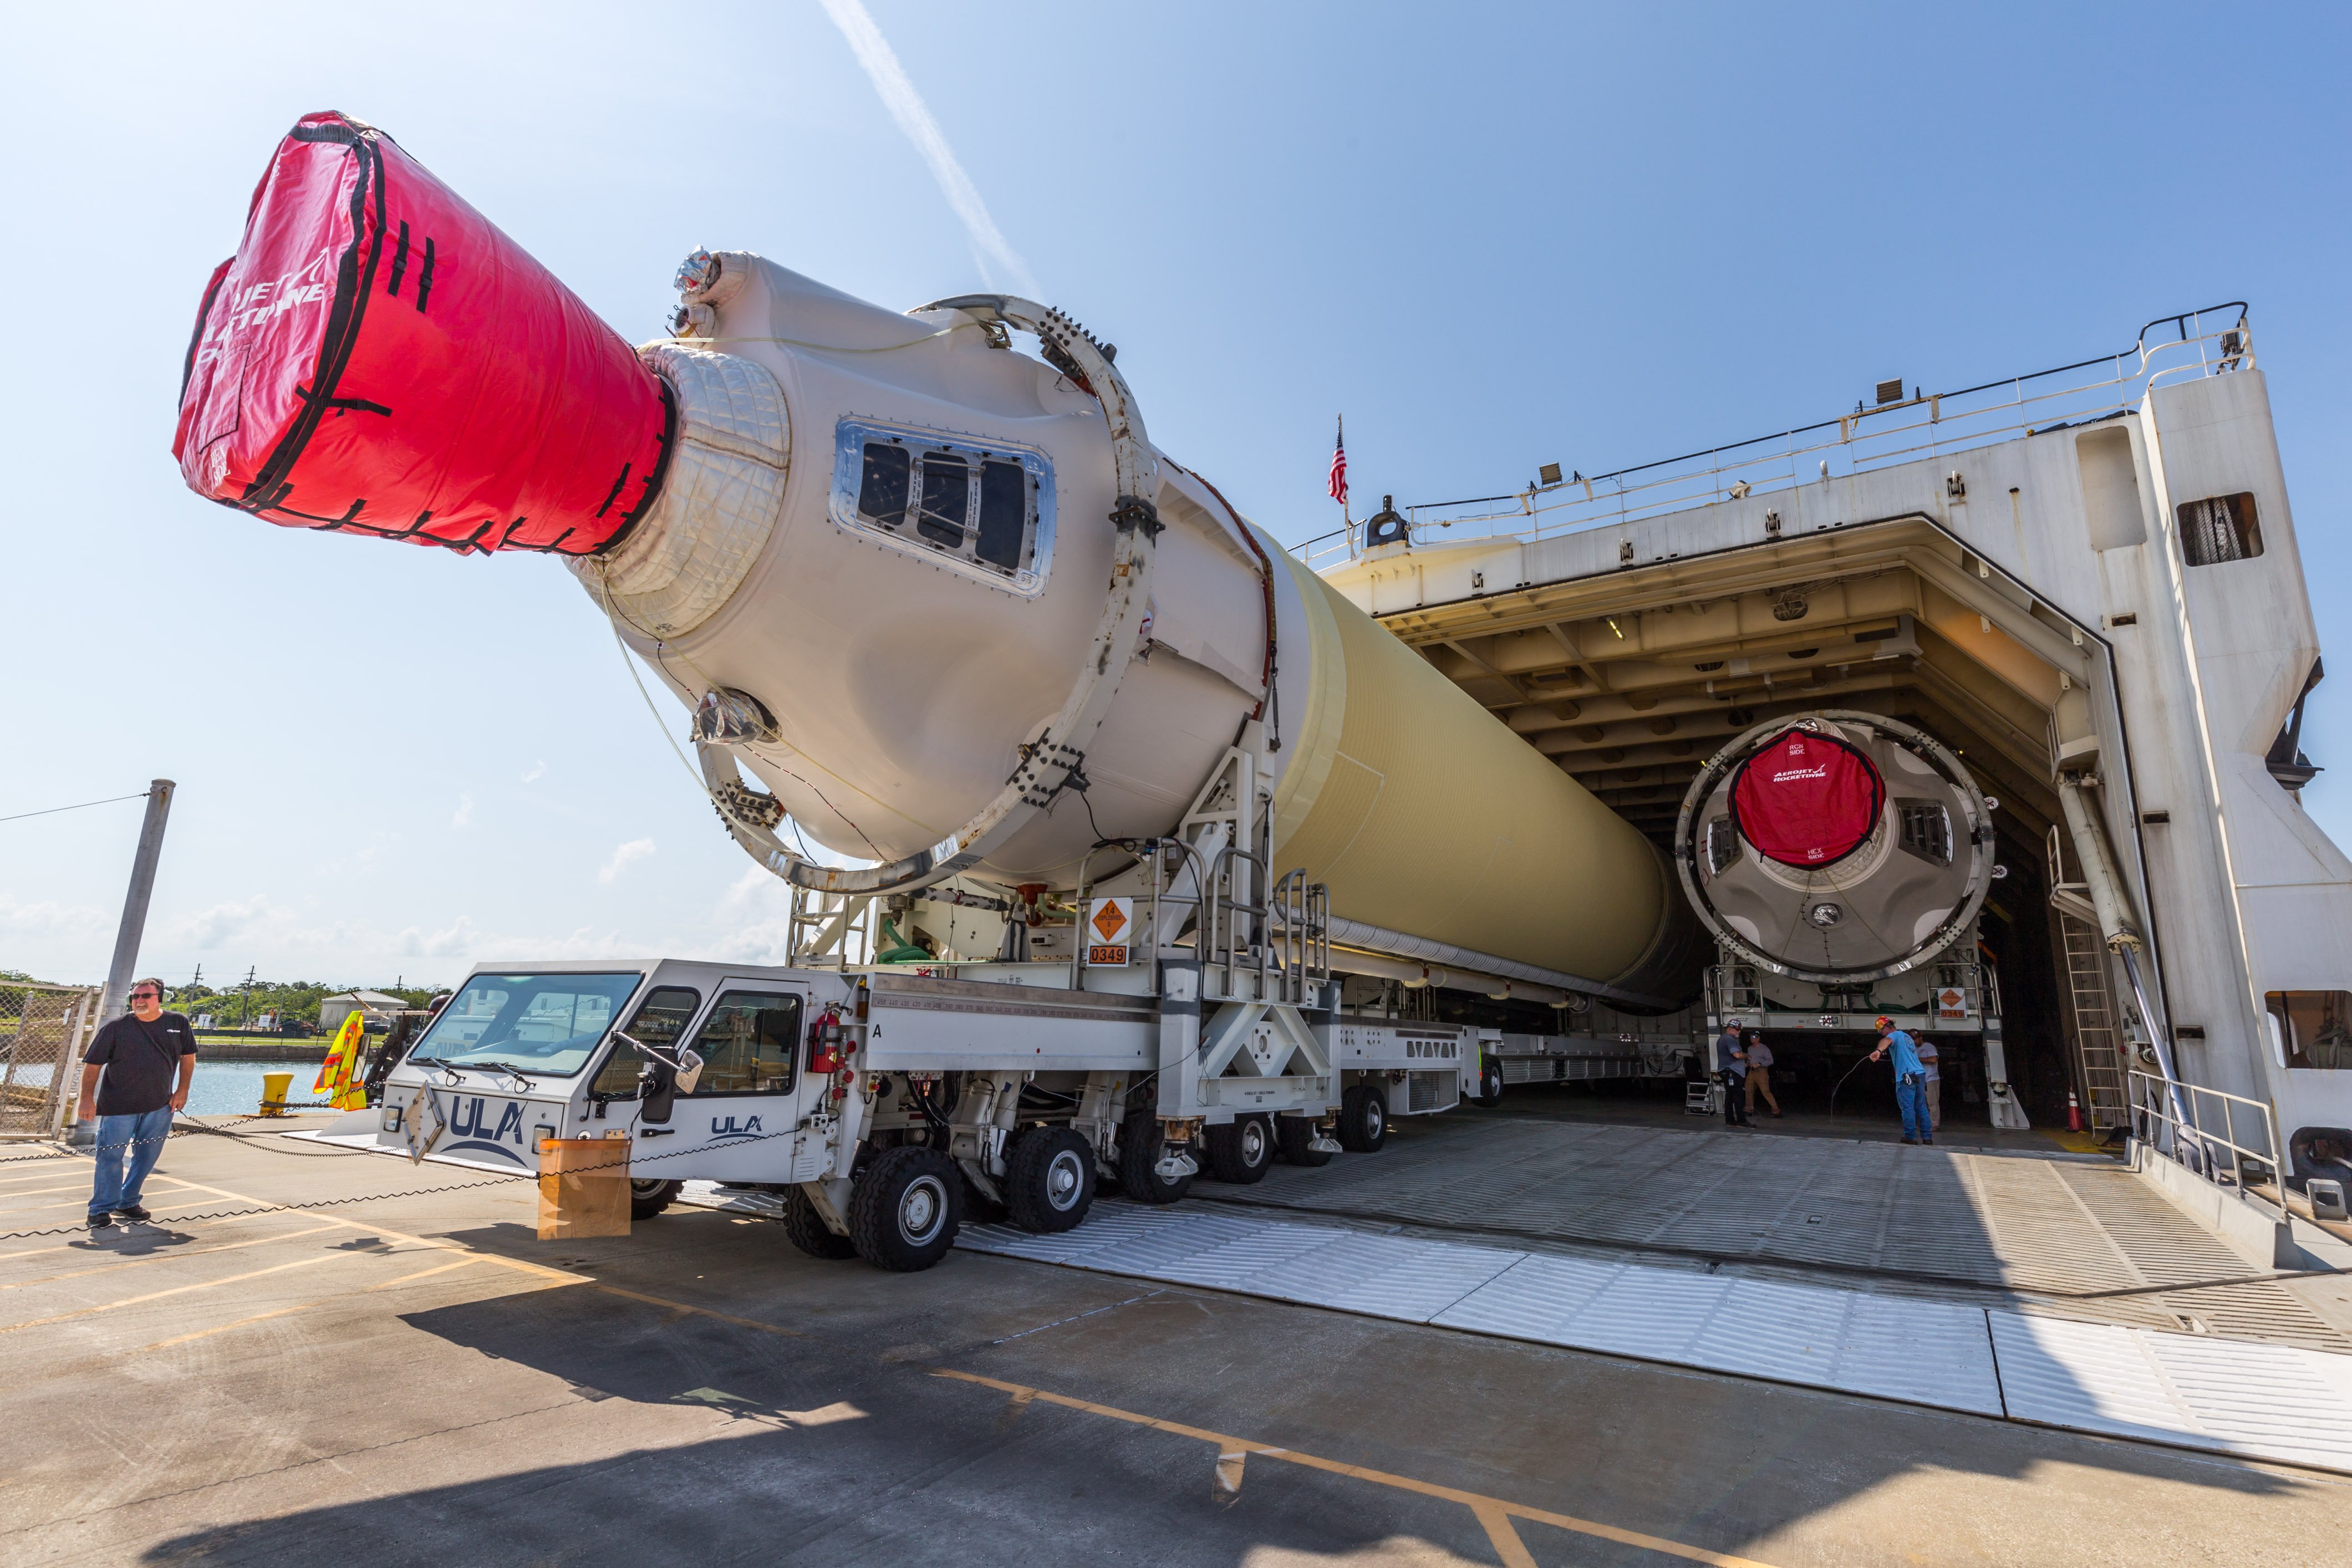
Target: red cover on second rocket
{"points": [[378, 358], [1807, 799]]}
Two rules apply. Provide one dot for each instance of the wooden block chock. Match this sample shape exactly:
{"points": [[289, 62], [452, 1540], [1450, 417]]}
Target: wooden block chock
{"points": [[584, 1187]]}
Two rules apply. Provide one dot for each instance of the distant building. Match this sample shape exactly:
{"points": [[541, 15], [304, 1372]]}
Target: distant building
{"points": [[380, 1009]]}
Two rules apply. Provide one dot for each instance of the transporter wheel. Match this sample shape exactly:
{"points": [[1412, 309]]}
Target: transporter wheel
{"points": [[1490, 1084], [647, 1199], [1293, 1135], [1363, 1119], [1049, 1182], [807, 1230], [904, 1210], [1140, 1144], [1240, 1150]]}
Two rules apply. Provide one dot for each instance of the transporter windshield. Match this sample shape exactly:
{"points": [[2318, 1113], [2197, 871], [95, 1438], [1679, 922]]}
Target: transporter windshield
{"points": [[543, 1023]]}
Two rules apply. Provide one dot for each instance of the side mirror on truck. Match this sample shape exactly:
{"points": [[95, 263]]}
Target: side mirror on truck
{"points": [[657, 1092], [662, 1079]]}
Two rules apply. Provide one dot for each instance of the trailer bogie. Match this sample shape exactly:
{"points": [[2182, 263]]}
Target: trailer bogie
{"points": [[887, 1108]]}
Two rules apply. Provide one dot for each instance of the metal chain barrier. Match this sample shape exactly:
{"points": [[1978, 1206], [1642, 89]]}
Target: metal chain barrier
{"points": [[494, 1179]]}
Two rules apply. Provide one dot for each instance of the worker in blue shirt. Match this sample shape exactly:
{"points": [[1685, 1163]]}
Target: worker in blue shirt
{"points": [[1910, 1081]]}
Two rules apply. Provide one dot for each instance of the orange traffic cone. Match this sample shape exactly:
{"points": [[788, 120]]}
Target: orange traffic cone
{"points": [[2073, 1113]]}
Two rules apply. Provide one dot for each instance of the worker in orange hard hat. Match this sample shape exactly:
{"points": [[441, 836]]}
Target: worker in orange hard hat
{"points": [[1910, 1080]]}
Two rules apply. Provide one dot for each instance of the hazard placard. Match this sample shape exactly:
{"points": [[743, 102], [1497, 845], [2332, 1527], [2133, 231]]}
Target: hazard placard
{"points": [[1109, 932], [1951, 1003]]}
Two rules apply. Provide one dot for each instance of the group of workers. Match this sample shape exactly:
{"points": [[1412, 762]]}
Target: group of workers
{"points": [[1743, 1063]]}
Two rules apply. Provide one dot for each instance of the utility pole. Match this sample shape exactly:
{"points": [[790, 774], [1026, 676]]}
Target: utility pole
{"points": [[110, 1005], [134, 904]]}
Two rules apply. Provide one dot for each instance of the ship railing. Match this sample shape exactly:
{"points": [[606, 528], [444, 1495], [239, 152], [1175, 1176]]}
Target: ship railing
{"points": [[2228, 1140], [2212, 341]]}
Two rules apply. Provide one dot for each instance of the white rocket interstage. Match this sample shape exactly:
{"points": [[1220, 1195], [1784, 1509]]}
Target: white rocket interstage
{"points": [[953, 612]]}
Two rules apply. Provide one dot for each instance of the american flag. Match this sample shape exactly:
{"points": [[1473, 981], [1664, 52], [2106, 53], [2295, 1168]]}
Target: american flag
{"points": [[1340, 465]]}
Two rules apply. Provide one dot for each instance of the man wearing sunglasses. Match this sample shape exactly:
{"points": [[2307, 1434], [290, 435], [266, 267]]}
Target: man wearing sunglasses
{"points": [[135, 1075]]}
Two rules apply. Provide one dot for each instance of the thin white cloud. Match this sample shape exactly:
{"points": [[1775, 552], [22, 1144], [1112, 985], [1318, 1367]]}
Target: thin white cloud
{"points": [[49, 919], [634, 849], [465, 814], [458, 939], [537, 772], [207, 928], [906, 105]]}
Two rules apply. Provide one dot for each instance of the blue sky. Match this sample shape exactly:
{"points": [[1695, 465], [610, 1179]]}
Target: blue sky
{"points": [[1516, 235]]}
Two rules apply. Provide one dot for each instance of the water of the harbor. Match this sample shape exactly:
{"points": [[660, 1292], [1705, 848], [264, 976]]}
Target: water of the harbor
{"points": [[234, 1089]]}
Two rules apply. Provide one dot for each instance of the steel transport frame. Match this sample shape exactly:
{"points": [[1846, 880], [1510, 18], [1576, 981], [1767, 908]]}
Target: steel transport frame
{"points": [[911, 1097]]}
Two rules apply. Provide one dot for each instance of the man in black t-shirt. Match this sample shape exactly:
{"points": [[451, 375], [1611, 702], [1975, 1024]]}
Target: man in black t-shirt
{"points": [[135, 1075]]}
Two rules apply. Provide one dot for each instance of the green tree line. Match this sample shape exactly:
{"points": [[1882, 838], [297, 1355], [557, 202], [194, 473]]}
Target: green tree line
{"points": [[294, 1001]]}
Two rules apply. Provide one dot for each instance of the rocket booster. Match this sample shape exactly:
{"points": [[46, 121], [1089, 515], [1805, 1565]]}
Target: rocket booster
{"points": [[1838, 848], [943, 601]]}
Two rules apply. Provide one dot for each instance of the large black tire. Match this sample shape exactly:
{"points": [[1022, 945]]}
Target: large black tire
{"points": [[649, 1198], [1049, 1182], [1139, 1147], [1363, 1119], [904, 1211], [807, 1229], [1239, 1150], [1490, 1083], [1293, 1136]]}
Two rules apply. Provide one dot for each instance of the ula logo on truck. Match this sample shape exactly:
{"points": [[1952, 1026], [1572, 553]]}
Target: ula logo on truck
{"points": [[471, 1120], [727, 1132]]}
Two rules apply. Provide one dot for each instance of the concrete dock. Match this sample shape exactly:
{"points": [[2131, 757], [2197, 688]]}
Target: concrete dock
{"points": [[404, 1375]]}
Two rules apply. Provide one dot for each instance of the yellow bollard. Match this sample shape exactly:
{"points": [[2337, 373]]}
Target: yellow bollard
{"points": [[273, 1086]]}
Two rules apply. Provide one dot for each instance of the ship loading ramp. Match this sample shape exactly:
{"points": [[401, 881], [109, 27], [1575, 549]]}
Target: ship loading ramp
{"points": [[2085, 582], [2048, 1288]]}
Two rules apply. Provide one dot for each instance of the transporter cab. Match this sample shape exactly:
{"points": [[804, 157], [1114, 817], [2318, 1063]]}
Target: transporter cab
{"points": [[886, 1108]]}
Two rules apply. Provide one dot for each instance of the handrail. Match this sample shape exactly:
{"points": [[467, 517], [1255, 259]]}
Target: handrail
{"points": [[1868, 438], [1232, 942], [2186, 1139], [1302, 927], [1151, 939]]}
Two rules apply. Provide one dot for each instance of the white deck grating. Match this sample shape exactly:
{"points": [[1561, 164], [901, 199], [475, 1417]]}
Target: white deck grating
{"points": [[2248, 1399]]}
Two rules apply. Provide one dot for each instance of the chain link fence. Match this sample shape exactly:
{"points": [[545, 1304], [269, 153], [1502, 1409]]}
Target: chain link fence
{"points": [[43, 1032]]}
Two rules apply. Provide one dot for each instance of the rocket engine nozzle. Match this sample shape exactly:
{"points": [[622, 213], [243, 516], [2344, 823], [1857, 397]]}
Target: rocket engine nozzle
{"points": [[379, 358], [1839, 848]]}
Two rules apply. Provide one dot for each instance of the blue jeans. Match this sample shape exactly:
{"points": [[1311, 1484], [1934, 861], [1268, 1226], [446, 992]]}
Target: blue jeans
{"points": [[1911, 1094], [127, 1148]]}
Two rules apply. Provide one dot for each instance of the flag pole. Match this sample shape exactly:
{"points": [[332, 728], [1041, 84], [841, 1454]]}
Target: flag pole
{"points": [[1338, 458]]}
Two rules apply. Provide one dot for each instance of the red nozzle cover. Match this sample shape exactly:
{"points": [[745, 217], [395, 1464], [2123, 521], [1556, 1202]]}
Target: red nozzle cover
{"points": [[1807, 799], [378, 358]]}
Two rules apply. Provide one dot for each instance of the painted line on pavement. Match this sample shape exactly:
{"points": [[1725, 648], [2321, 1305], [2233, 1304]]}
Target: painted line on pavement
{"points": [[1490, 1511], [155, 1257]]}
